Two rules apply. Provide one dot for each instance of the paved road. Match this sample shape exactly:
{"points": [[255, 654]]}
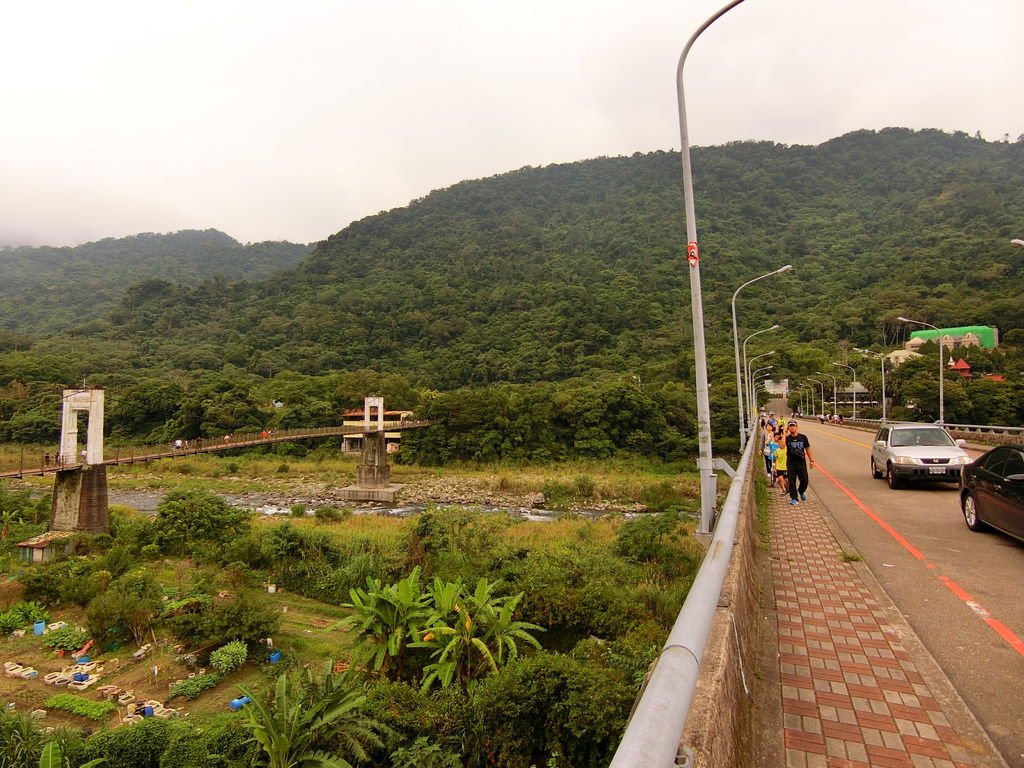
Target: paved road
{"points": [[961, 592]]}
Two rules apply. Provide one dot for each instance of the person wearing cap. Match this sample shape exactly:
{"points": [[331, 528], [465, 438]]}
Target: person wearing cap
{"points": [[798, 460]]}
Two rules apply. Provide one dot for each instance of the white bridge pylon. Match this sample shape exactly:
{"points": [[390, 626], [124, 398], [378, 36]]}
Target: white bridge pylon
{"points": [[75, 400]]}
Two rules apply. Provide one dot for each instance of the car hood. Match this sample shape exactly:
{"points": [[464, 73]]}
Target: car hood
{"points": [[929, 451]]}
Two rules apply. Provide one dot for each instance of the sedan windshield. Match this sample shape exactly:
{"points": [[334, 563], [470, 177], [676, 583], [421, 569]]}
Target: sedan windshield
{"points": [[925, 436]]}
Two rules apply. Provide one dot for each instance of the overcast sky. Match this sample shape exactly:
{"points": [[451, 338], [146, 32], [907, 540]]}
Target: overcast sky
{"points": [[288, 120]]}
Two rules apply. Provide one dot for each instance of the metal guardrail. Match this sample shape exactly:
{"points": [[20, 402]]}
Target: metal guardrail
{"points": [[979, 431], [652, 737]]}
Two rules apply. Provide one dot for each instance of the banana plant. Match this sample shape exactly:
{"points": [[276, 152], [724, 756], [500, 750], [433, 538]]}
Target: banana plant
{"points": [[386, 618], [301, 723]]}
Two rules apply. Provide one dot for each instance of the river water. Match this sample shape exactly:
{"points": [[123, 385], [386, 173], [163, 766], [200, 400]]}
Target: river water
{"points": [[148, 501]]}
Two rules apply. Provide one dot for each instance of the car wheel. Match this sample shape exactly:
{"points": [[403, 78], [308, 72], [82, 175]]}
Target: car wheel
{"points": [[890, 477], [874, 471], [970, 509]]}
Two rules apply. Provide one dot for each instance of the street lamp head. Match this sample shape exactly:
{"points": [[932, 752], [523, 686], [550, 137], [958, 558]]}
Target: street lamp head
{"points": [[789, 267], [775, 327], [1018, 242], [903, 319]]}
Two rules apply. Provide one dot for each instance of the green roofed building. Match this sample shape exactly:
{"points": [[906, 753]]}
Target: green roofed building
{"points": [[965, 336]]}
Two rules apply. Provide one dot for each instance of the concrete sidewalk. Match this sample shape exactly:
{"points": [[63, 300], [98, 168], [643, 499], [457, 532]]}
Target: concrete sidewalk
{"points": [[857, 688]]}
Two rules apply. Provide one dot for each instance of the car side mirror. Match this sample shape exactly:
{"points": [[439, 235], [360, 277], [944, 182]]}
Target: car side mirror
{"points": [[1016, 478], [961, 442], [880, 442]]}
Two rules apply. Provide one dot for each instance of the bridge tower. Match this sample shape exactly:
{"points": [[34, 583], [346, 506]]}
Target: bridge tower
{"points": [[80, 492], [373, 474]]}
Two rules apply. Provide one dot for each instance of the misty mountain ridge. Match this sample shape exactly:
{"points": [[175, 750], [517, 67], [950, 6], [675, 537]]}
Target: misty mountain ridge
{"points": [[556, 272], [46, 289]]}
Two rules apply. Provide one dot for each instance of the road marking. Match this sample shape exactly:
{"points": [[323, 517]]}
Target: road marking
{"points": [[997, 626], [844, 439], [1003, 631]]}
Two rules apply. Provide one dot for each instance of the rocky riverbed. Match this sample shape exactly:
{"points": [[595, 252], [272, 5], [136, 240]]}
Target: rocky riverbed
{"points": [[454, 491]]}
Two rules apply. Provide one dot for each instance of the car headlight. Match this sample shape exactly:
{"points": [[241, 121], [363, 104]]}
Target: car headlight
{"points": [[905, 460], [960, 460]]}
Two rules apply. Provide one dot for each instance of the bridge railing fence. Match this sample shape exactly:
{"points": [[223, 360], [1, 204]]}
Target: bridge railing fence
{"points": [[982, 433], [652, 737], [41, 461]]}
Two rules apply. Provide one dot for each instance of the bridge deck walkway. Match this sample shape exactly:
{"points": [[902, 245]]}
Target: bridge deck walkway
{"points": [[856, 689], [50, 463]]}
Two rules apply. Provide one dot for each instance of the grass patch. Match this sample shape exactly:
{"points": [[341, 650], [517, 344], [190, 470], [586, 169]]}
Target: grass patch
{"points": [[850, 557], [764, 515]]}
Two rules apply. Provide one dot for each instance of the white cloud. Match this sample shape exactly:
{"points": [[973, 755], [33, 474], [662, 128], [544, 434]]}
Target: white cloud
{"points": [[287, 121]]}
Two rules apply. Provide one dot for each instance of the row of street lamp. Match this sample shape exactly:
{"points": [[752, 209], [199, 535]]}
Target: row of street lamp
{"points": [[747, 377]]}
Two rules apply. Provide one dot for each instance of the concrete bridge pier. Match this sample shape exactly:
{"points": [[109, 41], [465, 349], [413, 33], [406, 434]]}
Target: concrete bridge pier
{"points": [[80, 500], [80, 492], [373, 475]]}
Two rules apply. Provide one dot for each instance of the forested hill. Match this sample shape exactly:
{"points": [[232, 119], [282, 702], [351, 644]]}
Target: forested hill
{"points": [[44, 290], [550, 273]]}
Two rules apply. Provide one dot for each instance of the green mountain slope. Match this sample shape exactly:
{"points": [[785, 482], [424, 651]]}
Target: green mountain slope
{"points": [[46, 290], [568, 286], [547, 273]]}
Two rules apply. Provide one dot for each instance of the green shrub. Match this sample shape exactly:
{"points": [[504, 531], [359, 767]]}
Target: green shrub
{"points": [[20, 740], [66, 639], [27, 612], [547, 706], [557, 494], [248, 618], [150, 552], [230, 657], [425, 754], [76, 705], [194, 686], [133, 746], [584, 486], [331, 514], [298, 510]]}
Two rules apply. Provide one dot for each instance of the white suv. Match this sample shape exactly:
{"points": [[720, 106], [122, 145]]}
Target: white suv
{"points": [[911, 452]]}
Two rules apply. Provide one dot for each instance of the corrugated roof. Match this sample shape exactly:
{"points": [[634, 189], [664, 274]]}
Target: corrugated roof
{"points": [[40, 541]]}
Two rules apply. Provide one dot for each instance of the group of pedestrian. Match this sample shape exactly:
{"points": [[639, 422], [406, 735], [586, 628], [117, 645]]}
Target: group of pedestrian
{"points": [[787, 457]]}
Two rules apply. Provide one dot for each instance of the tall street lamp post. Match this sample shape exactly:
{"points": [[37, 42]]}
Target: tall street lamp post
{"points": [[835, 407], [942, 366], [708, 489], [736, 350], [753, 376], [853, 384], [750, 385], [881, 359], [821, 386], [810, 393], [746, 370]]}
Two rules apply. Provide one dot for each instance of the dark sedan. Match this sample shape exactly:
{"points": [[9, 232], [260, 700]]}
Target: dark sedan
{"points": [[992, 491]]}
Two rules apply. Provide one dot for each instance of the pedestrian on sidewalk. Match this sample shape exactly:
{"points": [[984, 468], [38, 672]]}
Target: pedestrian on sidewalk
{"points": [[781, 467], [798, 460], [768, 449]]}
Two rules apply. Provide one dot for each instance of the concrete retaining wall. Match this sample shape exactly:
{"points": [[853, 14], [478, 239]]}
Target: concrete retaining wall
{"points": [[720, 727]]}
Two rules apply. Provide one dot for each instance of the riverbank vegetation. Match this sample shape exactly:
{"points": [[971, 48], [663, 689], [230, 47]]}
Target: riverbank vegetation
{"points": [[452, 637]]}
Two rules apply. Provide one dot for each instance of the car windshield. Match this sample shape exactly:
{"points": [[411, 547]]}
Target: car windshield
{"points": [[930, 436]]}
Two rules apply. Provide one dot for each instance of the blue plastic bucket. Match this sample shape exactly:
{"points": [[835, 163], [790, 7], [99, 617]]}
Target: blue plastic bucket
{"points": [[147, 711], [39, 627], [275, 657]]}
